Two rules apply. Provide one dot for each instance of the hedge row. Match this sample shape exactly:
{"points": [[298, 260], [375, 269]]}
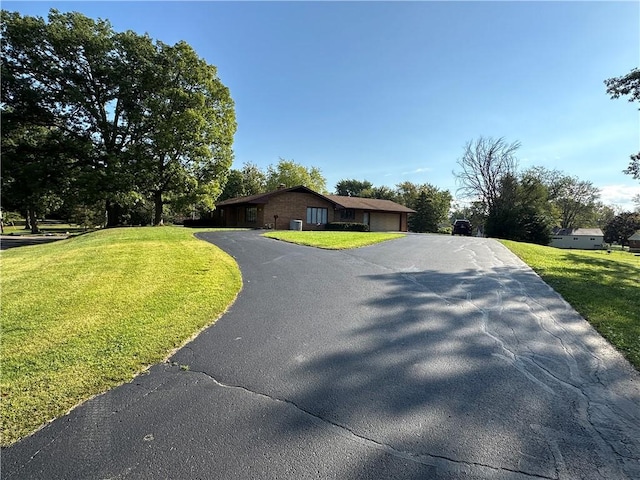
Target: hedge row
{"points": [[347, 226]]}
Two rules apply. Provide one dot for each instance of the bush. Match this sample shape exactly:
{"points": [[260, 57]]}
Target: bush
{"points": [[347, 227]]}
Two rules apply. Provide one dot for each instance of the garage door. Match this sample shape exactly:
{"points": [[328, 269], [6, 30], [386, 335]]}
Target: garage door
{"points": [[385, 222]]}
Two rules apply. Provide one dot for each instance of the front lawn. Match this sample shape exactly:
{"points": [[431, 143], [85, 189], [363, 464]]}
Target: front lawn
{"points": [[603, 287], [80, 316], [332, 240]]}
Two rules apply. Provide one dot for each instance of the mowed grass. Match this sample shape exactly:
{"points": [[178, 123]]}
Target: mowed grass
{"points": [[604, 288], [332, 240], [46, 228], [80, 316]]}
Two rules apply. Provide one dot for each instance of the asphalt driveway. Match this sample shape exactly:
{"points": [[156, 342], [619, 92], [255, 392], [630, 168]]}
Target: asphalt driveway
{"points": [[425, 357]]}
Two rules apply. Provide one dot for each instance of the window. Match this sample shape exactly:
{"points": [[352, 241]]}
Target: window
{"points": [[251, 214], [316, 215], [347, 214]]}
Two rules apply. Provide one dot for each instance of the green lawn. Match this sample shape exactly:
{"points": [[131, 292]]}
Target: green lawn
{"points": [[80, 316], [332, 240], [604, 288]]}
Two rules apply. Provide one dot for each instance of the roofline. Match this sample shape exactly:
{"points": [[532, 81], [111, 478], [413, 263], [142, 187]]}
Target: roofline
{"points": [[259, 199], [262, 198]]}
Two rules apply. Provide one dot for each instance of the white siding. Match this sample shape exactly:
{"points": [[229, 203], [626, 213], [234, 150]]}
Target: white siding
{"points": [[577, 241]]}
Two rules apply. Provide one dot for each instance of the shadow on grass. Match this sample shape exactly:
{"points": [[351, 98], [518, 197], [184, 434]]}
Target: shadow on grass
{"points": [[605, 292]]}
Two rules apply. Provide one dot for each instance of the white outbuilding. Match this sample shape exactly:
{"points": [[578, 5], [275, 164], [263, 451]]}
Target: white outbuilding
{"points": [[578, 238]]}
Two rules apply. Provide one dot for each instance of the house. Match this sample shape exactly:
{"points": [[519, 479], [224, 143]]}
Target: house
{"points": [[634, 242], [277, 209], [579, 238]]}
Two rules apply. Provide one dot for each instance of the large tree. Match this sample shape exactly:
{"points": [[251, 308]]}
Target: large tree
{"points": [[188, 131], [576, 202], [621, 227], [627, 85], [37, 168], [352, 187], [83, 75], [250, 180], [572, 202], [430, 203], [290, 174], [147, 109], [483, 165], [519, 211]]}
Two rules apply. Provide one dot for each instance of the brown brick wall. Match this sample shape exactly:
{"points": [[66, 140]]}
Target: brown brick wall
{"points": [[293, 206]]}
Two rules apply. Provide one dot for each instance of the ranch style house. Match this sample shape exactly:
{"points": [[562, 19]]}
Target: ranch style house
{"points": [[277, 209]]}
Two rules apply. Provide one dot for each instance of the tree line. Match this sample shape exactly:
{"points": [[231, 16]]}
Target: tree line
{"points": [[115, 128], [526, 205], [108, 127]]}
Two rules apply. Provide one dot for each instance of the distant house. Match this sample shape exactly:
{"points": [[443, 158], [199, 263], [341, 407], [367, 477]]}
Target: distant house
{"points": [[276, 209], [634, 242], [579, 238]]}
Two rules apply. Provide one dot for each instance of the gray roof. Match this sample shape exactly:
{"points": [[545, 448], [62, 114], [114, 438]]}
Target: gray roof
{"points": [[373, 204], [577, 232]]}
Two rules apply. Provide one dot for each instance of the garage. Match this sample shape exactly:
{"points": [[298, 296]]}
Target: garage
{"points": [[384, 222]]}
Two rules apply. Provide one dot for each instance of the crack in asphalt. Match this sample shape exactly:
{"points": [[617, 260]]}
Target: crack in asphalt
{"points": [[441, 462], [577, 381], [586, 403]]}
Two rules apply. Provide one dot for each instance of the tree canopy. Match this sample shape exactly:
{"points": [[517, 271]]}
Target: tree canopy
{"points": [[621, 227], [145, 119], [290, 174], [352, 187]]}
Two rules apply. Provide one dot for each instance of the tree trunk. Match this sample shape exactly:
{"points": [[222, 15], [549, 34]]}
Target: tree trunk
{"points": [[33, 221], [158, 207], [112, 210]]}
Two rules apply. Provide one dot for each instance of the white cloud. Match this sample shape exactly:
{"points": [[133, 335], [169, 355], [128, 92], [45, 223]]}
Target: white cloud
{"points": [[417, 170], [619, 195]]}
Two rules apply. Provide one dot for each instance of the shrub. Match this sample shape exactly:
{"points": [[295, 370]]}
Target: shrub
{"points": [[347, 227]]}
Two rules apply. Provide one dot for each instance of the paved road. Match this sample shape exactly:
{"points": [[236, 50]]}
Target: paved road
{"points": [[13, 241], [428, 357]]}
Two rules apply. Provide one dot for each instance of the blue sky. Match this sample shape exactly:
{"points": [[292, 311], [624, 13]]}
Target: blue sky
{"points": [[392, 91]]}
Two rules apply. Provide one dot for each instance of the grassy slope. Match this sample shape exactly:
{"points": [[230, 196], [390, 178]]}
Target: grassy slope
{"points": [[82, 315], [604, 288]]}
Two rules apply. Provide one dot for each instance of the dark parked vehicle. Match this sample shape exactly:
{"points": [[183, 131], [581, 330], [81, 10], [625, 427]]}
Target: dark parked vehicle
{"points": [[461, 227]]}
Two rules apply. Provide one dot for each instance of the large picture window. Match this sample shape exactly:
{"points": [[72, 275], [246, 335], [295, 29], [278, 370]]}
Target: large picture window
{"points": [[251, 214], [317, 215]]}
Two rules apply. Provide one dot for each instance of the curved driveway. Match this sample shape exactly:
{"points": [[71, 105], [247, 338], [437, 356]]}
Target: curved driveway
{"points": [[427, 357]]}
